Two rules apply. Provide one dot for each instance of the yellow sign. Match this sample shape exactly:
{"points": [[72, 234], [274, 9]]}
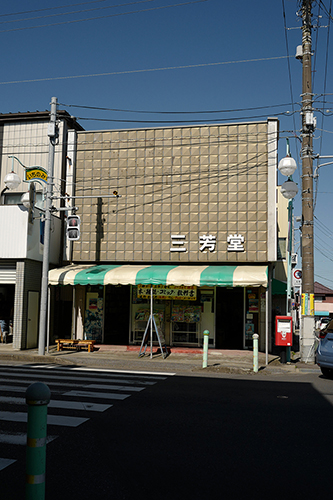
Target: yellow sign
{"points": [[307, 304], [312, 304], [36, 174], [168, 292]]}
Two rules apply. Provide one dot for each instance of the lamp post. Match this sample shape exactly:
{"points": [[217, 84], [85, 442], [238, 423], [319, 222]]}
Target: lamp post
{"points": [[53, 134], [289, 190]]}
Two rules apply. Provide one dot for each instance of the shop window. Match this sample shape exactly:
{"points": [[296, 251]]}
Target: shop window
{"points": [[252, 315], [281, 250], [93, 323], [180, 315], [185, 322]]}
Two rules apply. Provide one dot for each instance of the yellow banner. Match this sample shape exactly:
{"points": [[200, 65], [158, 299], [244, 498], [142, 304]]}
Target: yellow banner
{"points": [[34, 174], [312, 307], [168, 292], [307, 304]]}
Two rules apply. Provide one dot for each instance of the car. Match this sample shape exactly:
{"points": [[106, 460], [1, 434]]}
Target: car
{"points": [[324, 353], [323, 322]]}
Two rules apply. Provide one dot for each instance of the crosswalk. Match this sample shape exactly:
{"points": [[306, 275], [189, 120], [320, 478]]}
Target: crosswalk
{"points": [[73, 390]]}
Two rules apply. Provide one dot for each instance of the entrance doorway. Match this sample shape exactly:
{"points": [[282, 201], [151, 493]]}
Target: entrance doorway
{"points": [[229, 318], [32, 327], [117, 315]]}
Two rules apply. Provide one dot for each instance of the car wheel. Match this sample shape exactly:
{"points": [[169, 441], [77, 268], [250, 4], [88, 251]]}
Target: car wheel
{"points": [[327, 372]]}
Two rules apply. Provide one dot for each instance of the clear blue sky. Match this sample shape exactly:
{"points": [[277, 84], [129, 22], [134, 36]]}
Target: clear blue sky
{"points": [[224, 55]]}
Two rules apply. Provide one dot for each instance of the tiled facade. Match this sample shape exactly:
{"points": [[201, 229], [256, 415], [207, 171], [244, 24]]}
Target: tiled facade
{"points": [[216, 180]]}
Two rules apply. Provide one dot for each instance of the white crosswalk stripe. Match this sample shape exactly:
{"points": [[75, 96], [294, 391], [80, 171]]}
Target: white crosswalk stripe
{"points": [[73, 405], [103, 395], [73, 390], [4, 462], [65, 421], [82, 379]]}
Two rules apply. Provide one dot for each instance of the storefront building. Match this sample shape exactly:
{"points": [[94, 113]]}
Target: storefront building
{"points": [[183, 215]]}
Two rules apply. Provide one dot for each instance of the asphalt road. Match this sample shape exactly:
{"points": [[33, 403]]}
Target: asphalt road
{"points": [[185, 437]]}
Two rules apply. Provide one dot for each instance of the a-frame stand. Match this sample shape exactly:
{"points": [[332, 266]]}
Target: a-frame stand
{"points": [[152, 323]]}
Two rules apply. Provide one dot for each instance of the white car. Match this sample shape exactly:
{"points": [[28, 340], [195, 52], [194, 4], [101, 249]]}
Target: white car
{"points": [[324, 322]]}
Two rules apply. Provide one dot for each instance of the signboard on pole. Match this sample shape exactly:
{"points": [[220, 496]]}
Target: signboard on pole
{"points": [[297, 277], [35, 174]]}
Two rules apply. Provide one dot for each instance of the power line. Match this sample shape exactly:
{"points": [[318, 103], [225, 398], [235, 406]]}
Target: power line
{"points": [[105, 16], [75, 12], [49, 8], [113, 120], [126, 72], [289, 69], [175, 112], [323, 114], [322, 277]]}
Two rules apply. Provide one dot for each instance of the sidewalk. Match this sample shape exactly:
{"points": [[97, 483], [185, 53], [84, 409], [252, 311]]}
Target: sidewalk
{"points": [[180, 360]]}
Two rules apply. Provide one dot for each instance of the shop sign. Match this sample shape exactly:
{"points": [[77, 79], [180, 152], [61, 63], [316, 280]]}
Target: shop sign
{"points": [[178, 243], [207, 242], [36, 174], [235, 243], [167, 292]]}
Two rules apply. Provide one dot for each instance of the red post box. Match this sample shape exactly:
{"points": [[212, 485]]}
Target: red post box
{"points": [[283, 330]]}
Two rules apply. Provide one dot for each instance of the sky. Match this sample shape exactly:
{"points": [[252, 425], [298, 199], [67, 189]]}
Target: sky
{"points": [[210, 61]]}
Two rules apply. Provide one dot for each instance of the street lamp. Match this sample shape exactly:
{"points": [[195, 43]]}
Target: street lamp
{"points": [[12, 180], [289, 190]]}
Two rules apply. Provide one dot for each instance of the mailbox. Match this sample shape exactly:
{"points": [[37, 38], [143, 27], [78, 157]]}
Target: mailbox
{"points": [[283, 330]]}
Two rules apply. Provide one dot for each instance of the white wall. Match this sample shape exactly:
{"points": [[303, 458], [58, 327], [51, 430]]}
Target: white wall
{"points": [[21, 240]]}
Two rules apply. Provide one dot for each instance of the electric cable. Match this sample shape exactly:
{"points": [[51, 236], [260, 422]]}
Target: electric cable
{"points": [[49, 8], [237, 110], [148, 70], [114, 120], [103, 17], [75, 12]]}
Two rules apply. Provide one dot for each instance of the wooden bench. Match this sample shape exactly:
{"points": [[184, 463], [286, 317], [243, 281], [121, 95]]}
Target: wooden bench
{"points": [[75, 344]]}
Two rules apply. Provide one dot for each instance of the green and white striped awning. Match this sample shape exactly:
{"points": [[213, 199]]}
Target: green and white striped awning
{"points": [[159, 275]]}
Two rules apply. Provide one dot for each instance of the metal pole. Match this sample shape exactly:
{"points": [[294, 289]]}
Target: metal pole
{"points": [[48, 320], [255, 338], [52, 133], [151, 321], [37, 397], [289, 252], [205, 349], [308, 326]]}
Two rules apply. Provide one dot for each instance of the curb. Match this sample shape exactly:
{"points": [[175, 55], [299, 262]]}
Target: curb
{"points": [[172, 364]]}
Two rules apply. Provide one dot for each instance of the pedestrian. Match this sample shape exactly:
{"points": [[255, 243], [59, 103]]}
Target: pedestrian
{"points": [[3, 319]]}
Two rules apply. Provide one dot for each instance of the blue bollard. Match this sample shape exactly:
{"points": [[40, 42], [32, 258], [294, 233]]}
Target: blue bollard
{"points": [[37, 398]]}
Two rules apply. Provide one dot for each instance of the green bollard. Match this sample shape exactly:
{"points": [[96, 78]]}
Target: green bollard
{"points": [[255, 338], [37, 398], [205, 349]]}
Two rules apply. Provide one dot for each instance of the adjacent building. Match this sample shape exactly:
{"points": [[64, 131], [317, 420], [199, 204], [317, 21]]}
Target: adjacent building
{"points": [[24, 147]]}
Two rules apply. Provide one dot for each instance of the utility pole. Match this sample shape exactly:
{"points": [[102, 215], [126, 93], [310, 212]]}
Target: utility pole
{"points": [[53, 134], [308, 125]]}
